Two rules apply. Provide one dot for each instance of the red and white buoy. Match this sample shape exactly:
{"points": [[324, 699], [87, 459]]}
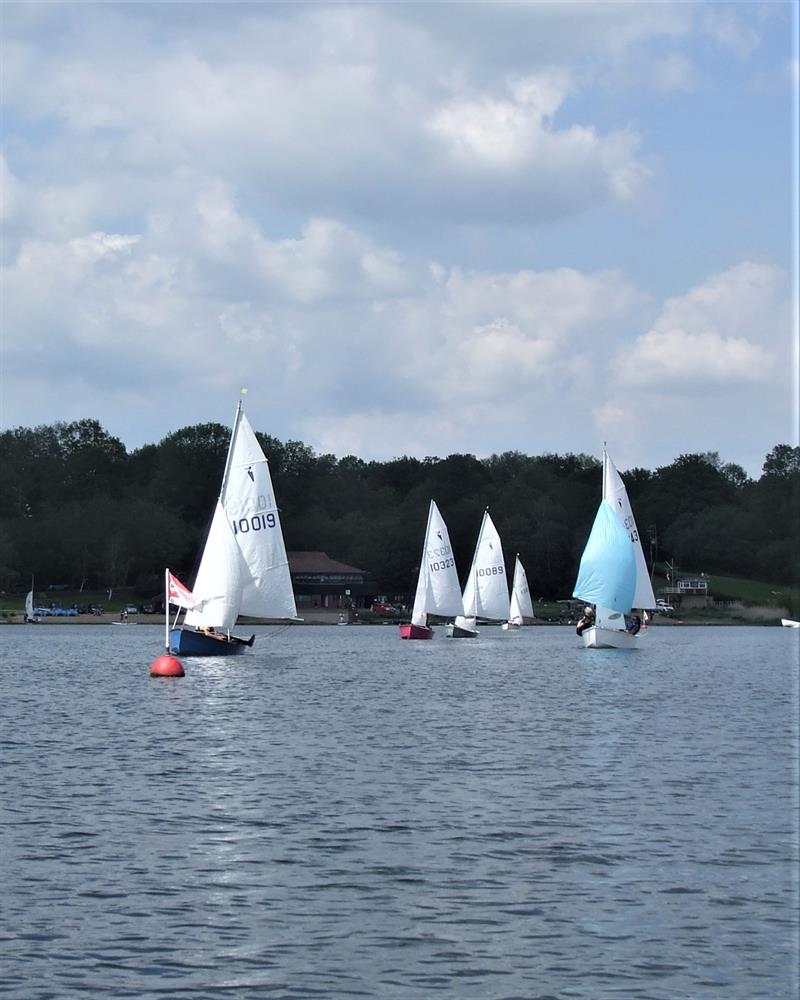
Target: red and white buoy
{"points": [[166, 666]]}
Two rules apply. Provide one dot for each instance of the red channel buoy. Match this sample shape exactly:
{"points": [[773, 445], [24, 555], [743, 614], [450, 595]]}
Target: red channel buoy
{"points": [[166, 666]]}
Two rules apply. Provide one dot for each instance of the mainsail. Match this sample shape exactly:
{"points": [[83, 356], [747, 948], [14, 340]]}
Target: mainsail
{"points": [[486, 587], [615, 493], [521, 604], [249, 502], [244, 568], [438, 591]]}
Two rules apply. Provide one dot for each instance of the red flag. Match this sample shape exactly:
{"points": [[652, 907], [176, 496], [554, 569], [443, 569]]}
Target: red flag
{"points": [[178, 594]]}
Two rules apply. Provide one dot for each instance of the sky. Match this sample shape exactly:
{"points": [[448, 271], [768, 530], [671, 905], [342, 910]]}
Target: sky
{"points": [[407, 228]]}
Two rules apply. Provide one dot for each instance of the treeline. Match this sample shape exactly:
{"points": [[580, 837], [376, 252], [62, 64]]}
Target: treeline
{"points": [[77, 508]]}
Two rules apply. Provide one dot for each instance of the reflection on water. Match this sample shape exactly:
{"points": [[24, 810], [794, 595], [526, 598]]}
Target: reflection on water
{"points": [[342, 814]]}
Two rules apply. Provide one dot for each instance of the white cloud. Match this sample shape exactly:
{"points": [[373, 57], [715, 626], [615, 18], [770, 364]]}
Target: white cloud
{"points": [[674, 72], [713, 334], [715, 368], [677, 356], [386, 217], [502, 133], [475, 356], [332, 261], [9, 192], [366, 128], [726, 27]]}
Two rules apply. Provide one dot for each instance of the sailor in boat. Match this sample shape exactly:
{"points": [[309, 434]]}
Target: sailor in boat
{"points": [[235, 640], [587, 621], [633, 624]]}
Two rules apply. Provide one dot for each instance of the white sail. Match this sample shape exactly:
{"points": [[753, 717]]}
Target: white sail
{"points": [[486, 588], [29, 605], [220, 578], [614, 491], [249, 502], [609, 619], [244, 569], [438, 591], [521, 603]]}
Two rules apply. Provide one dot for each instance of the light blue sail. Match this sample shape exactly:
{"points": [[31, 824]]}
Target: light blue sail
{"points": [[607, 574]]}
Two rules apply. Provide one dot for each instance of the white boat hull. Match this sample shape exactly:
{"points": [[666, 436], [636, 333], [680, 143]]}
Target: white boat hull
{"points": [[608, 638], [510, 626], [789, 623]]}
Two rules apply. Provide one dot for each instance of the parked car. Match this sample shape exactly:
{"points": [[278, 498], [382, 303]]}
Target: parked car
{"points": [[662, 605], [131, 609]]}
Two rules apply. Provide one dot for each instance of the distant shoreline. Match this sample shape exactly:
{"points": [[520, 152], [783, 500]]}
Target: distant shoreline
{"points": [[323, 617]]}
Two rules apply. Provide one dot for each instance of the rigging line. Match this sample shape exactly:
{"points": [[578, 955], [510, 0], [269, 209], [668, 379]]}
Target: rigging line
{"points": [[278, 630]]}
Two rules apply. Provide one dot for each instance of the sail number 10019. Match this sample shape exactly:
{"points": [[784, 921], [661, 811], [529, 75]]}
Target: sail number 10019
{"points": [[242, 525]]}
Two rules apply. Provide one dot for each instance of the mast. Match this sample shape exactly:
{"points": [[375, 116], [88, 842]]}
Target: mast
{"points": [[166, 609], [236, 420], [423, 569], [605, 465], [475, 562]]}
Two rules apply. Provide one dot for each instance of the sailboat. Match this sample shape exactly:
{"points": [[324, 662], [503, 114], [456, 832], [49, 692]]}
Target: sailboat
{"points": [[29, 616], [244, 569], [438, 591], [613, 573], [790, 623], [521, 605], [486, 590]]}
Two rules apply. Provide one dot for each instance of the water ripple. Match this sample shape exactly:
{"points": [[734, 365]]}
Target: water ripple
{"points": [[345, 815]]}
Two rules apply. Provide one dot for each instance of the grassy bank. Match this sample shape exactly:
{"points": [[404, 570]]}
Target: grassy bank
{"points": [[745, 600], [76, 598], [754, 592]]}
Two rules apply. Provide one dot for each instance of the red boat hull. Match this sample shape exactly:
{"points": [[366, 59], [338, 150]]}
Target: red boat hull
{"points": [[415, 632]]}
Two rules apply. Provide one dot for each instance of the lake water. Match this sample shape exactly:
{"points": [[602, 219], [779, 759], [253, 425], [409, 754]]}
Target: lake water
{"points": [[342, 814]]}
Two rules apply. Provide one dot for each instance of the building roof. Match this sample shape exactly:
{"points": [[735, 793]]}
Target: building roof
{"points": [[319, 562]]}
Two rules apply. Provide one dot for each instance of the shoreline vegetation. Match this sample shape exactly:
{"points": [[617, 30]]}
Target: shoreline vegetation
{"points": [[732, 614], [79, 515]]}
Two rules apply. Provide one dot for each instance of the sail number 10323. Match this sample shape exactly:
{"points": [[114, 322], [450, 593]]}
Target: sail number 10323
{"points": [[438, 564]]}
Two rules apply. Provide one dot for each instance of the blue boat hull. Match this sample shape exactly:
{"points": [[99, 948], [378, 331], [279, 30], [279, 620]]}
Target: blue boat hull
{"points": [[186, 642]]}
